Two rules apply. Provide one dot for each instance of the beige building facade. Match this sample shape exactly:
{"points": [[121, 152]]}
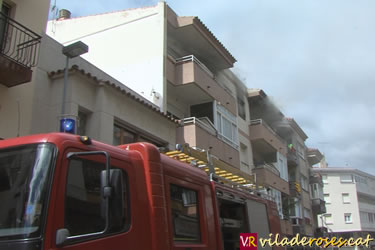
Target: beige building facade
{"points": [[22, 23], [188, 74]]}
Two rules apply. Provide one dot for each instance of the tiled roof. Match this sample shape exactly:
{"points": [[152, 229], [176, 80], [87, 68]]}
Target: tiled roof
{"points": [[119, 87], [201, 24]]}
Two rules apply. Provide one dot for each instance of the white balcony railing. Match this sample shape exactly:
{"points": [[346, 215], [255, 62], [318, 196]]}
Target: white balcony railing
{"points": [[206, 124], [192, 58]]}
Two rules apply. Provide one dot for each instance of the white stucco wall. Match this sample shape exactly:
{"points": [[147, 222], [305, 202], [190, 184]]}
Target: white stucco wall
{"points": [[337, 208], [128, 45]]}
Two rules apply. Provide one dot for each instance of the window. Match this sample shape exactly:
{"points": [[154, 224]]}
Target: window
{"points": [[226, 125], [370, 218], [328, 219], [345, 198], [346, 178], [83, 198], [300, 150], [348, 218], [359, 179], [125, 135], [122, 136], [327, 198], [316, 191], [82, 123], [282, 166], [276, 194], [241, 108], [185, 214], [304, 183]]}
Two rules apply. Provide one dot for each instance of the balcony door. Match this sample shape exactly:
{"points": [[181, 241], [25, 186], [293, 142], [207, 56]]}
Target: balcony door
{"points": [[5, 11]]}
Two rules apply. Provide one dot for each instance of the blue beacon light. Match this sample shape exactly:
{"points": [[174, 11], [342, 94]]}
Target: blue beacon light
{"points": [[67, 125]]}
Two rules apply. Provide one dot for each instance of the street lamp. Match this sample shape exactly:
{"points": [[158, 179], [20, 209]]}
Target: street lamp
{"points": [[70, 51]]}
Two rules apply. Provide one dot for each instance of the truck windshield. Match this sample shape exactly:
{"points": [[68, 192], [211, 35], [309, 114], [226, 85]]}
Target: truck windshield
{"points": [[24, 175]]}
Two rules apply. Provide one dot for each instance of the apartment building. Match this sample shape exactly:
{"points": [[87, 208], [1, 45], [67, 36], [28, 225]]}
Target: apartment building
{"points": [[349, 195], [283, 165], [269, 152], [177, 64]]}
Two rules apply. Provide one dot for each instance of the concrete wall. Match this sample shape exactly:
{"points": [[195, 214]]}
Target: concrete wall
{"points": [[128, 45]]}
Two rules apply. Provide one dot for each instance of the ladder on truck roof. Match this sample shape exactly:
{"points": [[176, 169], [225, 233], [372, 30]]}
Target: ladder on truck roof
{"points": [[212, 166], [218, 170]]}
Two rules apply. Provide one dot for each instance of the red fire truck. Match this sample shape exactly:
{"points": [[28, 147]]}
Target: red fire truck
{"points": [[62, 191]]}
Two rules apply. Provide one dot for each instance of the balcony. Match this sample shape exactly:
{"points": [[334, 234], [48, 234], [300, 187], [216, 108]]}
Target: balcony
{"points": [[264, 139], [19, 49], [201, 133], [268, 175], [292, 156], [194, 83], [318, 206]]}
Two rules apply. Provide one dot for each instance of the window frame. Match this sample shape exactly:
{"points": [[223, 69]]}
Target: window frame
{"points": [[330, 222], [138, 134], [169, 180], [221, 114], [346, 181], [345, 195], [348, 215], [328, 200]]}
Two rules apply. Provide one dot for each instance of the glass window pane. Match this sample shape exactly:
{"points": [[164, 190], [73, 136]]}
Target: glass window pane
{"points": [[127, 137], [227, 128], [116, 135], [82, 203], [185, 214], [345, 198], [219, 123]]}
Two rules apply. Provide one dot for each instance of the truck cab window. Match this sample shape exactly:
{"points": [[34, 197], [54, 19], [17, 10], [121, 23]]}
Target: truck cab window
{"points": [[185, 214], [83, 198]]}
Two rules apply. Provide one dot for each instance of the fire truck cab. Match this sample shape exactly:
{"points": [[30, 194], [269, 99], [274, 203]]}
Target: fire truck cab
{"points": [[62, 191]]}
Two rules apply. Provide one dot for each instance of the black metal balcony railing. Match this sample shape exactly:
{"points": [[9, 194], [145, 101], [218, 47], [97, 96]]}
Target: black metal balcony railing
{"points": [[18, 43]]}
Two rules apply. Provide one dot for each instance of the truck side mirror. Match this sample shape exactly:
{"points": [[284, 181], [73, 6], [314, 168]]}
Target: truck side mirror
{"points": [[61, 236], [114, 192]]}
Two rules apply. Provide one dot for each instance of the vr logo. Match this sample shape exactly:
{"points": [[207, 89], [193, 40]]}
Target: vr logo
{"points": [[248, 241]]}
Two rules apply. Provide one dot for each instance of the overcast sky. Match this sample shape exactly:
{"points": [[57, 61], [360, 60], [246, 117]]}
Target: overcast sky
{"points": [[315, 58]]}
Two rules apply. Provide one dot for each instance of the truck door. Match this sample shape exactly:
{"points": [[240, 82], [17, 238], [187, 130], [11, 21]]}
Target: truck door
{"points": [[79, 208], [258, 220], [191, 222]]}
